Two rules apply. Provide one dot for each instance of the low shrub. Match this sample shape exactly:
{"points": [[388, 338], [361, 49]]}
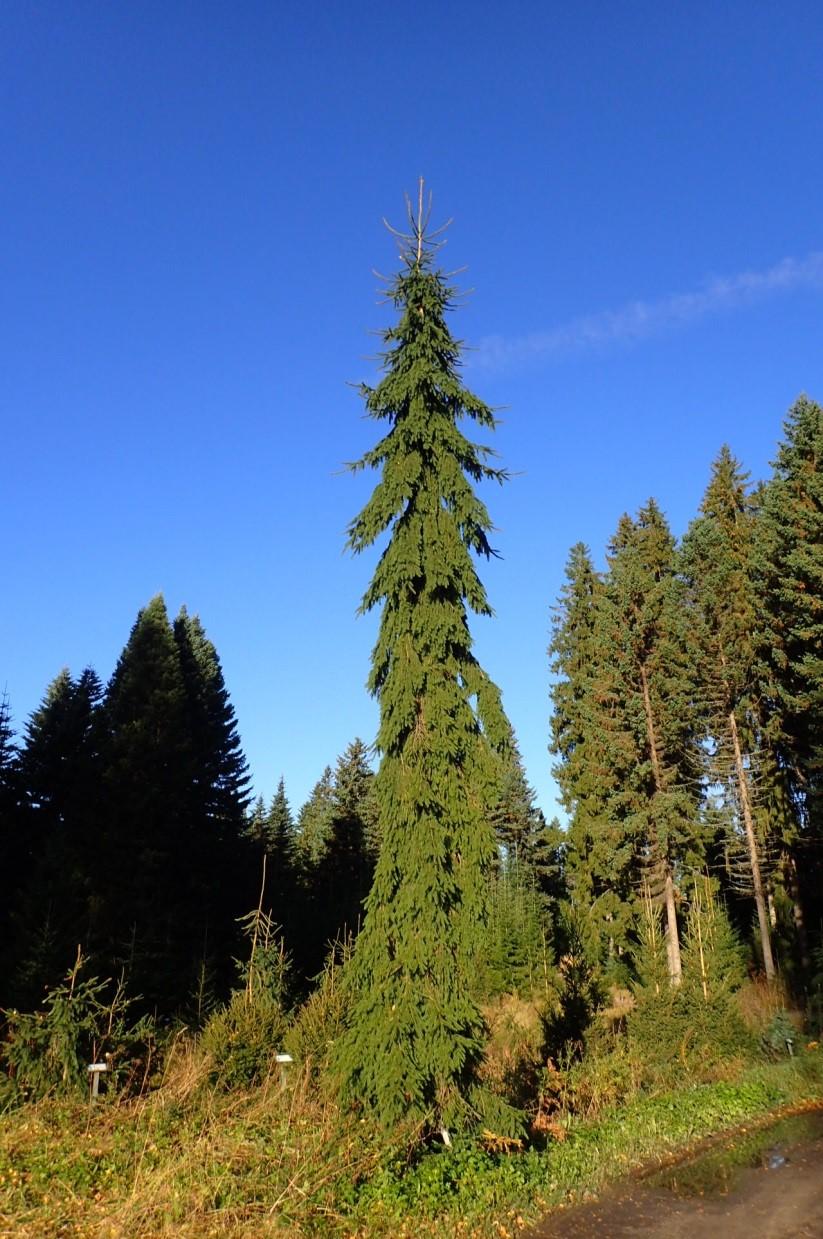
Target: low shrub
{"points": [[514, 1059], [83, 1020], [321, 1019], [242, 1038]]}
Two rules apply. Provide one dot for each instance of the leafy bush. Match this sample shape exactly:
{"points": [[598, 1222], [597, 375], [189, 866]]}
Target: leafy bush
{"points": [[590, 1086], [781, 1035]]}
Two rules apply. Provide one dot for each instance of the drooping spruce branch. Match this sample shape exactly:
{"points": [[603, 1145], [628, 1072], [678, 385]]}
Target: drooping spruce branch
{"points": [[415, 1037]]}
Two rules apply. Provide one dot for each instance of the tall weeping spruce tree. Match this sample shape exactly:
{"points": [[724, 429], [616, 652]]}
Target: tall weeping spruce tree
{"points": [[414, 1040]]}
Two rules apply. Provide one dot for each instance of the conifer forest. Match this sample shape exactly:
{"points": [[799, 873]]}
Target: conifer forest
{"points": [[413, 1005]]}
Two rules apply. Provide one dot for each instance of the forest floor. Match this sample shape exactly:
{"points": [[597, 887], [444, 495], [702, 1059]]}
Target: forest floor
{"points": [[768, 1181], [195, 1162]]}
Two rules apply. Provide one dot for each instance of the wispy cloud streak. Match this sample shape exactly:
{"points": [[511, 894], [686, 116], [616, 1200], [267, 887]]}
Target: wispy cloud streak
{"points": [[638, 320]]}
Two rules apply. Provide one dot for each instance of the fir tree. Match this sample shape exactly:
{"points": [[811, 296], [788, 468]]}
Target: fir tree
{"points": [[280, 829], [11, 839], [700, 1018], [354, 796], [515, 817], [149, 927], [547, 860], [175, 869], [788, 571], [222, 778], [517, 957], [314, 821], [713, 957], [595, 764], [60, 771], [222, 869], [257, 820], [649, 648], [8, 749], [527, 884], [789, 578], [282, 889], [341, 876], [415, 1035], [716, 559]]}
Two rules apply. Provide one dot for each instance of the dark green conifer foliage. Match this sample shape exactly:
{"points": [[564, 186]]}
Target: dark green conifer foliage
{"points": [[280, 829], [175, 800], [222, 869], [789, 579], [338, 839], [515, 817], [699, 1020], [60, 771], [517, 956], [221, 777], [283, 892], [11, 841], [314, 821], [150, 926], [789, 571], [355, 799], [415, 1036], [649, 647], [547, 861], [257, 819], [713, 958], [716, 559], [568, 1019], [594, 766], [8, 750], [343, 872], [526, 886]]}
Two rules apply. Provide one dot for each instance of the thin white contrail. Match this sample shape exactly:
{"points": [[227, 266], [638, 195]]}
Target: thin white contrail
{"points": [[637, 320]]}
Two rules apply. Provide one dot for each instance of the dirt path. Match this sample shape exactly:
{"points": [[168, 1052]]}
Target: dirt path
{"points": [[777, 1193]]}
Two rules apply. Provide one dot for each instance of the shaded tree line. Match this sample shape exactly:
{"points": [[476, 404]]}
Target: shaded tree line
{"points": [[687, 722], [130, 835], [123, 810]]}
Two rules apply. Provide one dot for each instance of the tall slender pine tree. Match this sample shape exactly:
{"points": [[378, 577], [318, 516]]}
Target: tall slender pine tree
{"points": [[11, 843], [148, 926], [716, 561], [788, 559], [594, 764], [314, 822], [60, 814], [415, 1034], [649, 646]]}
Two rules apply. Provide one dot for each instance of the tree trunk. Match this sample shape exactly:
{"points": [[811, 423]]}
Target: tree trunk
{"points": [[672, 938], [793, 888], [754, 862]]}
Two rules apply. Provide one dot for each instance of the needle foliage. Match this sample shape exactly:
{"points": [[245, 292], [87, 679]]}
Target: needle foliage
{"points": [[415, 1037]]}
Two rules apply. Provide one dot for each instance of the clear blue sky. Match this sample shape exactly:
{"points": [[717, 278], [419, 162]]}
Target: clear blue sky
{"points": [[190, 198]]}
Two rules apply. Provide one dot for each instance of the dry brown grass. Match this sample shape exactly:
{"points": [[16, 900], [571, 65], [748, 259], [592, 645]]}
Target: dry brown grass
{"points": [[760, 1000], [187, 1160], [513, 1051]]}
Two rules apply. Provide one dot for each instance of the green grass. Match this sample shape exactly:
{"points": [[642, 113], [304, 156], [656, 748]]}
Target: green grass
{"points": [[195, 1162]]}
